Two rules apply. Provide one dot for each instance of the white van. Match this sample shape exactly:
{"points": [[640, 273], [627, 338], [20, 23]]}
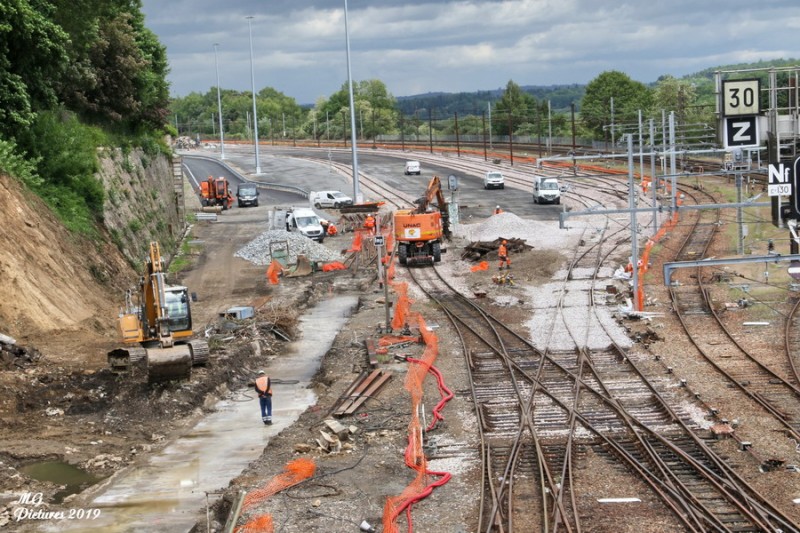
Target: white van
{"points": [[494, 180], [334, 199], [305, 221], [546, 190], [412, 167]]}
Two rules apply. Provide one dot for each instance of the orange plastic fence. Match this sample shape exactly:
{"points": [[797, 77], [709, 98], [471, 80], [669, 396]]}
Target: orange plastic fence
{"points": [[293, 473], [415, 459], [401, 306], [483, 265], [356, 245], [336, 265]]}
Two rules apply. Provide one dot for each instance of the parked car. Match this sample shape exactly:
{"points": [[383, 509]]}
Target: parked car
{"points": [[494, 180], [334, 199], [412, 167], [247, 194]]}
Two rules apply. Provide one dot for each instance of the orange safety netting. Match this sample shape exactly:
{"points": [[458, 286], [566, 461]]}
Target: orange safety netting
{"points": [[388, 340], [643, 262], [483, 265], [415, 458], [274, 271], [356, 245], [336, 265], [293, 473], [259, 524], [401, 306]]}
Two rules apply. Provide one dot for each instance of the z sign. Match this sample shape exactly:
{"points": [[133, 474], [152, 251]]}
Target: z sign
{"points": [[741, 132]]}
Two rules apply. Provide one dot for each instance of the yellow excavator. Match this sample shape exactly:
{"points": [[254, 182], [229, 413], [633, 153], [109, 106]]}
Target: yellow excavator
{"points": [[156, 328]]}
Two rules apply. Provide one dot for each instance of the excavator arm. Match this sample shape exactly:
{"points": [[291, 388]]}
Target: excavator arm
{"points": [[434, 192]]}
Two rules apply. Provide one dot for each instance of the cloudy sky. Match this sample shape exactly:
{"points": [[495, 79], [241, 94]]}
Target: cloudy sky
{"points": [[419, 46]]}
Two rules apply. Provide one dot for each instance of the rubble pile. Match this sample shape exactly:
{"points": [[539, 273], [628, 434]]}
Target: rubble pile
{"points": [[509, 226], [14, 357], [258, 251]]}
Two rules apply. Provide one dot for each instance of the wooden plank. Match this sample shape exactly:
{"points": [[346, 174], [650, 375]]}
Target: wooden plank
{"points": [[371, 391], [357, 392]]}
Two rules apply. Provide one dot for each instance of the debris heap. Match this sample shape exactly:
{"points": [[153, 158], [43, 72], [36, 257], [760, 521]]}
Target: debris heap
{"points": [[15, 357], [258, 252]]}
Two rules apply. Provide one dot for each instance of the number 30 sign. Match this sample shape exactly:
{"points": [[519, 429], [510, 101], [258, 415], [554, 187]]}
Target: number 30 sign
{"points": [[741, 97]]}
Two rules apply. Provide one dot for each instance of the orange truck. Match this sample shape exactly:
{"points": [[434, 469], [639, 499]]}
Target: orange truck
{"points": [[216, 191], [420, 232]]}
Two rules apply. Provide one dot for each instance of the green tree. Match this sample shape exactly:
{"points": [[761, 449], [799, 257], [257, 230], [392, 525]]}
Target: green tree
{"points": [[117, 69], [629, 97], [519, 110], [32, 59]]}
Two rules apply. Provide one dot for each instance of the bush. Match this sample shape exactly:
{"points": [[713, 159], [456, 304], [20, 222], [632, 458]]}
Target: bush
{"points": [[13, 164]]}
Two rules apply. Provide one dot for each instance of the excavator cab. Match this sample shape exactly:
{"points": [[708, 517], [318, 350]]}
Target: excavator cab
{"points": [[178, 315]]}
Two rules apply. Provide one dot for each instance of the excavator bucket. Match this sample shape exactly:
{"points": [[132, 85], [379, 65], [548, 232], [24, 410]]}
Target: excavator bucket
{"points": [[303, 267], [166, 364]]}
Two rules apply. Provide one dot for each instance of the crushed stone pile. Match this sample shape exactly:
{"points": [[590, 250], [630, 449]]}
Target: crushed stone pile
{"points": [[540, 234], [257, 251]]}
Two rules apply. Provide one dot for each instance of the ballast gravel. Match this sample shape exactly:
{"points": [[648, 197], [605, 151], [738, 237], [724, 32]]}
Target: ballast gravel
{"points": [[258, 250]]}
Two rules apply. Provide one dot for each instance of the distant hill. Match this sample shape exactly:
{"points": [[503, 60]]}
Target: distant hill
{"points": [[560, 96], [475, 103]]}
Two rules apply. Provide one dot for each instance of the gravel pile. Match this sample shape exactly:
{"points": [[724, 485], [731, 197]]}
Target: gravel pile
{"points": [[257, 251], [539, 234]]}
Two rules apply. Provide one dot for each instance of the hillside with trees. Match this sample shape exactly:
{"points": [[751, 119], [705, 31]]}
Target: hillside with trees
{"points": [[77, 75]]}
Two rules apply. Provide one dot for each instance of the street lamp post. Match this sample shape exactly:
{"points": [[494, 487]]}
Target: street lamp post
{"points": [[356, 188], [219, 106], [253, 84]]}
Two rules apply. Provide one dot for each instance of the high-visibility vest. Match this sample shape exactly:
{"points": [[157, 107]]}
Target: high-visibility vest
{"points": [[502, 251], [332, 229], [263, 385], [369, 222]]}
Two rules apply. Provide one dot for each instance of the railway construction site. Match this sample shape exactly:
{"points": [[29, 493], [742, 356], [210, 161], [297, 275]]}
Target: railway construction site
{"points": [[448, 396]]}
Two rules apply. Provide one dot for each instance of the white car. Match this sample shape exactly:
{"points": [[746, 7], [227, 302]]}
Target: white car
{"points": [[334, 199], [494, 180], [412, 167]]}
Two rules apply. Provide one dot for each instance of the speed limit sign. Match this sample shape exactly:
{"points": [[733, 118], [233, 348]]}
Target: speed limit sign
{"points": [[741, 97]]}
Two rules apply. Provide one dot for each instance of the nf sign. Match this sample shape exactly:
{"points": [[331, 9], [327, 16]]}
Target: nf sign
{"points": [[780, 180], [741, 132]]}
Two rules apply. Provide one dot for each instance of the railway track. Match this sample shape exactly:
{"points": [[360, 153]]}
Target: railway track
{"points": [[557, 405]]}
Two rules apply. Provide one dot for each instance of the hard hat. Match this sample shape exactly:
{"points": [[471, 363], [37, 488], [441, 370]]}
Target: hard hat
{"points": [[260, 372], [498, 207]]}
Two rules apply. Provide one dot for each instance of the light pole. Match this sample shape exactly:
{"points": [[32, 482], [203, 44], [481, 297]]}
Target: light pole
{"points": [[356, 188], [219, 106], [253, 83]]}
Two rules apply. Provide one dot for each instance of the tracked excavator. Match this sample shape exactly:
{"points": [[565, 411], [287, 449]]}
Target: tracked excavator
{"points": [[419, 232], [156, 328]]}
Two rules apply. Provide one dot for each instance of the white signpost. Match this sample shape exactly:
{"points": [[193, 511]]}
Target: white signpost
{"points": [[741, 97], [780, 180]]}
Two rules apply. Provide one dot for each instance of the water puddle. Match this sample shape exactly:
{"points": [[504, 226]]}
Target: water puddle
{"points": [[166, 493], [73, 478]]}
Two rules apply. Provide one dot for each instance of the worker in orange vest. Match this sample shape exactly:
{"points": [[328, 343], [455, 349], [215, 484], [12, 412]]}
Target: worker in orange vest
{"points": [[502, 254], [369, 223], [497, 210], [332, 231], [264, 391]]}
